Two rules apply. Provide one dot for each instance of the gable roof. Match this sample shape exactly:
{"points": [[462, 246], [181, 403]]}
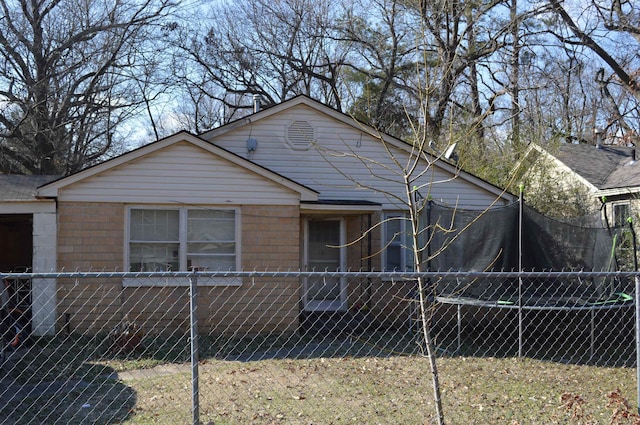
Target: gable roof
{"points": [[608, 169], [307, 193], [51, 189], [343, 118]]}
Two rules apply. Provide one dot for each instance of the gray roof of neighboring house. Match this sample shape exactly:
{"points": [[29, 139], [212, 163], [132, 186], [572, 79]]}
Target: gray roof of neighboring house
{"points": [[16, 187], [605, 167]]}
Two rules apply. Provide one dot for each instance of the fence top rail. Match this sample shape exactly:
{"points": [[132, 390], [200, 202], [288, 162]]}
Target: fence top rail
{"points": [[325, 273]]}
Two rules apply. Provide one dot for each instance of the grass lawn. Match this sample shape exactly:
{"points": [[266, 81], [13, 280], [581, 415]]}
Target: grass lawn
{"points": [[392, 390], [328, 384]]}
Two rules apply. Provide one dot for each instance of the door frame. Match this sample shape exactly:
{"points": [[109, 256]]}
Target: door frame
{"points": [[333, 305]]}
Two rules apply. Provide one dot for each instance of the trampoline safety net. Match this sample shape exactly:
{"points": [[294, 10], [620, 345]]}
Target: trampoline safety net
{"points": [[466, 240]]}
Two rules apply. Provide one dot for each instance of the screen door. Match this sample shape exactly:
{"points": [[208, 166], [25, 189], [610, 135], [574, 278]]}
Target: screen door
{"points": [[325, 252]]}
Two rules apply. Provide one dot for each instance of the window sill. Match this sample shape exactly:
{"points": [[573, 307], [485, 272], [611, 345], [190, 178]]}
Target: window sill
{"points": [[138, 282]]}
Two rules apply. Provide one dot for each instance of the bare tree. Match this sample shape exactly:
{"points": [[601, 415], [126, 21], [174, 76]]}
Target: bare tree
{"points": [[560, 99], [69, 77], [613, 16], [381, 64], [456, 37], [611, 30], [272, 49]]}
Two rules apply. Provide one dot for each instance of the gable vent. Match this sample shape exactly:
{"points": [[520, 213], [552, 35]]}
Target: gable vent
{"points": [[301, 135]]}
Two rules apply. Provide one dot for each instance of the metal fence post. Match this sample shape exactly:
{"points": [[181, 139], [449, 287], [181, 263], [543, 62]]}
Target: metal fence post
{"points": [[520, 311], [637, 306], [193, 304]]}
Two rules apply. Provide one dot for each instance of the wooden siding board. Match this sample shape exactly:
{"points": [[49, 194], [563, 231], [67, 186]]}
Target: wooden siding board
{"points": [[180, 173], [338, 152]]}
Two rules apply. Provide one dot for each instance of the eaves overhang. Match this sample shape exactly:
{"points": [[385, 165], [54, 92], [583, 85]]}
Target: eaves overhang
{"points": [[339, 207], [27, 207], [619, 191]]}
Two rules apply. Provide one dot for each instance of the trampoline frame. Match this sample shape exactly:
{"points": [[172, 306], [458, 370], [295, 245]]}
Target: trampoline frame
{"points": [[459, 302]]}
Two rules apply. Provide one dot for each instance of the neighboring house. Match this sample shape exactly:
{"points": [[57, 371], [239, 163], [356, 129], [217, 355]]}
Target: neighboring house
{"points": [[604, 174], [277, 190]]}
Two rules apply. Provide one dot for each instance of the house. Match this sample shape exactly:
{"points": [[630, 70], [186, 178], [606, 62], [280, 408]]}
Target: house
{"points": [[607, 177], [298, 186]]}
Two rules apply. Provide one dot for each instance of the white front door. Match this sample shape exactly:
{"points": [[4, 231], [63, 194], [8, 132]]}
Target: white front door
{"points": [[325, 251]]}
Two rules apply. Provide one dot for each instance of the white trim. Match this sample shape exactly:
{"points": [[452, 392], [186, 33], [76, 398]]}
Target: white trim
{"points": [[43, 306], [146, 282], [43, 290], [339, 208], [182, 253], [27, 207], [617, 191]]}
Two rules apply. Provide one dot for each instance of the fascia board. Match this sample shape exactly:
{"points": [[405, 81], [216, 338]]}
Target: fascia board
{"points": [[629, 191]]}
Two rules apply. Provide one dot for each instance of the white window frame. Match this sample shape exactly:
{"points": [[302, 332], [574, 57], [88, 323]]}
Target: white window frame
{"points": [[182, 250], [614, 214], [404, 243]]}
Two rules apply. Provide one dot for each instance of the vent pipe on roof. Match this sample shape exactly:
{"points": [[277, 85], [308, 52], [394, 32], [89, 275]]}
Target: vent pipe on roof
{"points": [[598, 133], [256, 103]]}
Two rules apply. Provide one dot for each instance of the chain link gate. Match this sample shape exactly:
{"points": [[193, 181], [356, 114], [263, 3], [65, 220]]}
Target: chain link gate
{"points": [[242, 348]]}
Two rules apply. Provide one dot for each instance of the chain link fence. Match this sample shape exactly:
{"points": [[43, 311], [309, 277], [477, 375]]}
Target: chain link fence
{"points": [[296, 347]]}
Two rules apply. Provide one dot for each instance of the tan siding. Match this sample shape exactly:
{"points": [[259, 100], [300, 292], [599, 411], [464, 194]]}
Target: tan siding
{"points": [[90, 236], [270, 237], [269, 242], [92, 305], [345, 163], [392, 302], [180, 173]]}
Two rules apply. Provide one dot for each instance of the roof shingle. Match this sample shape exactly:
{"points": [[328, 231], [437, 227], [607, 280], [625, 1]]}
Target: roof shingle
{"points": [[606, 167], [15, 187]]}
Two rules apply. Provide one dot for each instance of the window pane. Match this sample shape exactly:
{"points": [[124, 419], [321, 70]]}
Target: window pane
{"points": [[211, 239], [398, 243], [324, 239], [151, 257], [156, 243], [205, 225], [408, 256], [212, 263], [392, 226], [154, 225], [211, 248], [394, 262], [620, 214]]}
